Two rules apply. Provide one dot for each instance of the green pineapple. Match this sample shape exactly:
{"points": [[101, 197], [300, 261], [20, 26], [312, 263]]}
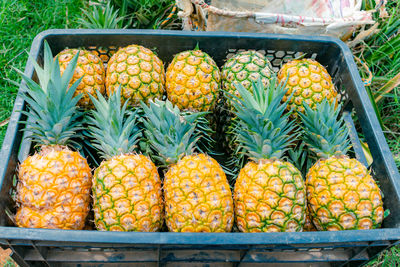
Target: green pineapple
{"points": [[245, 68]]}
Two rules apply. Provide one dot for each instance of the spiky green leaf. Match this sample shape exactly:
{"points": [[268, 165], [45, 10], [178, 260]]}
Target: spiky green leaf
{"points": [[113, 127], [52, 106], [324, 132], [171, 133], [263, 130]]}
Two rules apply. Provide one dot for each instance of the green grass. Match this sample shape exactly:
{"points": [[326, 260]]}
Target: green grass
{"points": [[389, 258], [380, 52], [10, 263], [390, 116], [20, 22]]}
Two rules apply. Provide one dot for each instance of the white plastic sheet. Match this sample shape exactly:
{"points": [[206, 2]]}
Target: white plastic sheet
{"points": [[312, 17]]}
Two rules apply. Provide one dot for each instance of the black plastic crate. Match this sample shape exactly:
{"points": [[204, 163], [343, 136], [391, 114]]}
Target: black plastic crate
{"points": [[45, 247]]}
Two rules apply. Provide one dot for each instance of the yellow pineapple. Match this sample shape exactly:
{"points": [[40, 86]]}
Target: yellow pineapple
{"points": [[193, 81], [90, 67], [138, 71], [53, 188], [196, 192], [308, 81], [342, 195], [269, 192], [126, 186]]}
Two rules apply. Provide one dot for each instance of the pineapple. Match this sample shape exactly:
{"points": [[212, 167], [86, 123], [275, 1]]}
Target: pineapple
{"points": [[244, 68], [269, 192], [53, 188], [193, 81], [341, 193], [308, 81], [196, 192], [138, 71], [126, 186], [90, 67]]}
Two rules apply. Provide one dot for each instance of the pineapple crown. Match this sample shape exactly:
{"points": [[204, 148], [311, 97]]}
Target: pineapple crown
{"points": [[113, 127], [52, 106], [264, 131], [300, 157], [324, 133], [170, 132]]}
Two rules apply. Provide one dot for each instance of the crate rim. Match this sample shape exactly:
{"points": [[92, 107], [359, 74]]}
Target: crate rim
{"points": [[87, 236], [309, 38], [218, 239]]}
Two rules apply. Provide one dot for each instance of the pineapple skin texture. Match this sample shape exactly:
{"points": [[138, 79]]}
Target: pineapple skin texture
{"points": [[53, 190], [193, 81], [308, 81], [342, 195], [91, 68], [308, 224], [139, 72], [270, 196], [244, 68], [127, 195], [197, 196]]}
